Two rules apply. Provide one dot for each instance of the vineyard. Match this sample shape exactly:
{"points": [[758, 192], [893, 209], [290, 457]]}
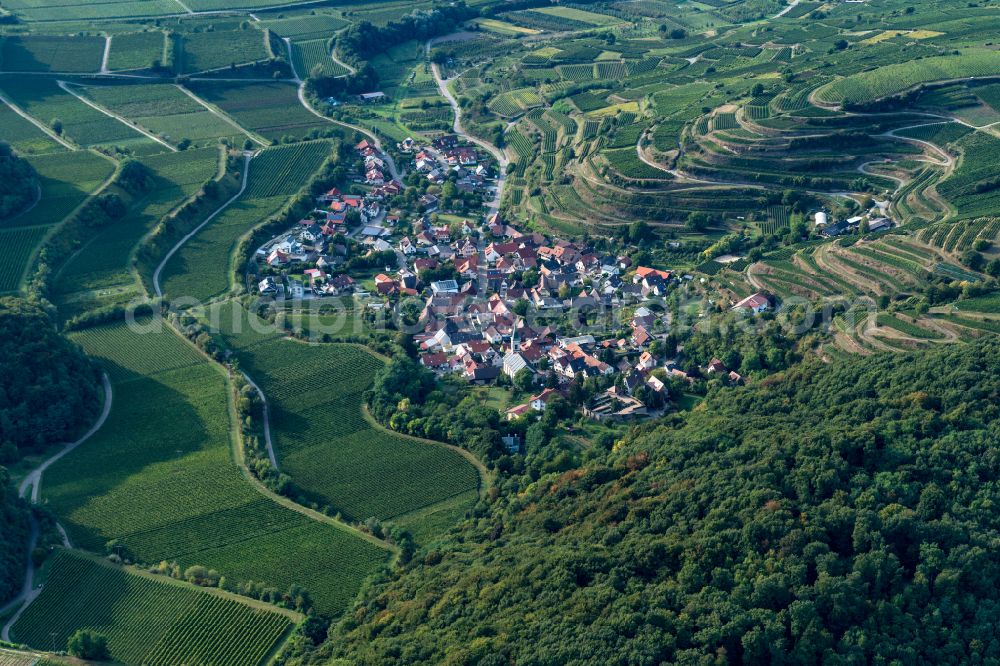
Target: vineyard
{"points": [[319, 26], [148, 621], [202, 268], [725, 121], [12, 658], [269, 109], [775, 220], [324, 441], [203, 51], [179, 496], [960, 236], [16, 248], [989, 303], [514, 102], [26, 138], [306, 55], [620, 119], [611, 70], [136, 50], [524, 149], [43, 98], [103, 262], [893, 79], [583, 16], [166, 111], [889, 266], [66, 180], [284, 170], [43, 53], [973, 188], [626, 162]]}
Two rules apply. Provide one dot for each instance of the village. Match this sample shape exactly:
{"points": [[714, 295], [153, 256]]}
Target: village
{"points": [[494, 305]]}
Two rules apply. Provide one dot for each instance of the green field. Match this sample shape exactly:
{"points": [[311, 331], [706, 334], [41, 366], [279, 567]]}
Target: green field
{"points": [[136, 50], [269, 109], [66, 180], [146, 620], [180, 496], [16, 248], [202, 268], [219, 49], [323, 440], [26, 138], [103, 263], [43, 53], [43, 99], [166, 111]]}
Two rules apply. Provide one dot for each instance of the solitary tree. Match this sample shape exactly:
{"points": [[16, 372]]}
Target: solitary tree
{"points": [[87, 644]]}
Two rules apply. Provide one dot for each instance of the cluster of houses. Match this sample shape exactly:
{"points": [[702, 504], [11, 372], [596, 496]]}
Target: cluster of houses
{"points": [[473, 328], [445, 156], [311, 245], [477, 281], [375, 168], [316, 244]]}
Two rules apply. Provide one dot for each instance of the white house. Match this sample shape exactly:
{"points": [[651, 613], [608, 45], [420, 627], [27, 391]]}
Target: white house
{"points": [[539, 401], [756, 303], [267, 287]]}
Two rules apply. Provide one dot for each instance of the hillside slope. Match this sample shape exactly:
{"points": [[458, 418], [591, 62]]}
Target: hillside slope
{"points": [[834, 513]]}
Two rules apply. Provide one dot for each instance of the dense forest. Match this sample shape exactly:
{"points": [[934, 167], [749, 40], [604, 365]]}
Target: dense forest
{"points": [[837, 514], [14, 526], [18, 182], [49, 390]]}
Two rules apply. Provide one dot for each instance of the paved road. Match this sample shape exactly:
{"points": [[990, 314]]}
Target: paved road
{"points": [[361, 130], [107, 52], [499, 155], [34, 480], [350, 70], [267, 420], [247, 156], [30, 489]]}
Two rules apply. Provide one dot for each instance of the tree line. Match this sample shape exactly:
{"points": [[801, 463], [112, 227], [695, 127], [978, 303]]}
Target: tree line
{"points": [[18, 182], [49, 389], [835, 513]]}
